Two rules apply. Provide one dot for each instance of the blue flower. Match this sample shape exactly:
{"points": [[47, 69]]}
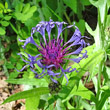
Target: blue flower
{"points": [[53, 52]]}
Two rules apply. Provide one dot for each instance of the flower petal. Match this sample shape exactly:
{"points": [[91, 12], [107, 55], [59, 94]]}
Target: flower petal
{"points": [[22, 68], [53, 80], [29, 40]]}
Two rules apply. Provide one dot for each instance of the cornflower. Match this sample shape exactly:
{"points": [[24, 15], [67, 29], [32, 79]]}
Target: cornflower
{"points": [[53, 53]]}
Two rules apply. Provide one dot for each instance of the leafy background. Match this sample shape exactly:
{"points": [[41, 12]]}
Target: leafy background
{"points": [[92, 17]]}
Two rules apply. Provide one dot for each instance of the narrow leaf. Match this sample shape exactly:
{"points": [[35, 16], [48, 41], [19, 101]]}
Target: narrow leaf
{"points": [[33, 81], [27, 94]]}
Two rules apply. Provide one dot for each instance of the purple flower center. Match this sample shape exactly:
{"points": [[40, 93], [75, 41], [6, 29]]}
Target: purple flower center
{"points": [[52, 53]]}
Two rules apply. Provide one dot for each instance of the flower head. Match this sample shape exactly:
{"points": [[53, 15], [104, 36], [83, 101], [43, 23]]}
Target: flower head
{"points": [[53, 52]]}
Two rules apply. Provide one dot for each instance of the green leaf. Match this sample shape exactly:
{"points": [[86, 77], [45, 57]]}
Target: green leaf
{"points": [[26, 17], [97, 3], [32, 103], [59, 10], [50, 4], [31, 22], [2, 31], [60, 105], [85, 65], [29, 81], [13, 27], [90, 30], [1, 15], [13, 74], [18, 15], [105, 94], [60, 19], [107, 25], [81, 26], [1, 11], [32, 9], [27, 94], [38, 68], [9, 65], [5, 10], [45, 10], [19, 7], [94, 33], [7, 17], [32, 51], [85, 2], [1, 6], [101, 5], [72, 4], [28, 13], [70, 106], [4, 23], [91, 61], [108, 3], [80, 91], [86, 105], [9, 10], [6, 5], [18, 66], [26, 8], [108, 71]]}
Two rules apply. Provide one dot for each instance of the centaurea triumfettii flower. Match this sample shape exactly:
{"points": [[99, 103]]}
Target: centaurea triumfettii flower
{"points": [[53, 53]]}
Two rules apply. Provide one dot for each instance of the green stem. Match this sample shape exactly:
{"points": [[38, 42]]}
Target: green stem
{"points": [[68, 19], [101, 32], [99, 78], [99, 83], [14, 29], [65, 35], [59, 18], [102, 45]]}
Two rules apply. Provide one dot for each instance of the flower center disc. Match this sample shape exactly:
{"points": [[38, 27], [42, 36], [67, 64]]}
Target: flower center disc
{"points": [[52, 54]]}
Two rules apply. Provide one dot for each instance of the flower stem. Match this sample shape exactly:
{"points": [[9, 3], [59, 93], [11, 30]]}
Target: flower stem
{"points": [[68, 19], [99, 82]]}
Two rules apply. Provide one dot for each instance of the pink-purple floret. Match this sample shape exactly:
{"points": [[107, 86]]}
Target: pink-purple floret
{"points": [[52, 52]]}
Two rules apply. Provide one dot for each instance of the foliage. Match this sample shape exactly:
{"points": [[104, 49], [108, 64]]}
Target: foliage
{"points": [[17, 17]]}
